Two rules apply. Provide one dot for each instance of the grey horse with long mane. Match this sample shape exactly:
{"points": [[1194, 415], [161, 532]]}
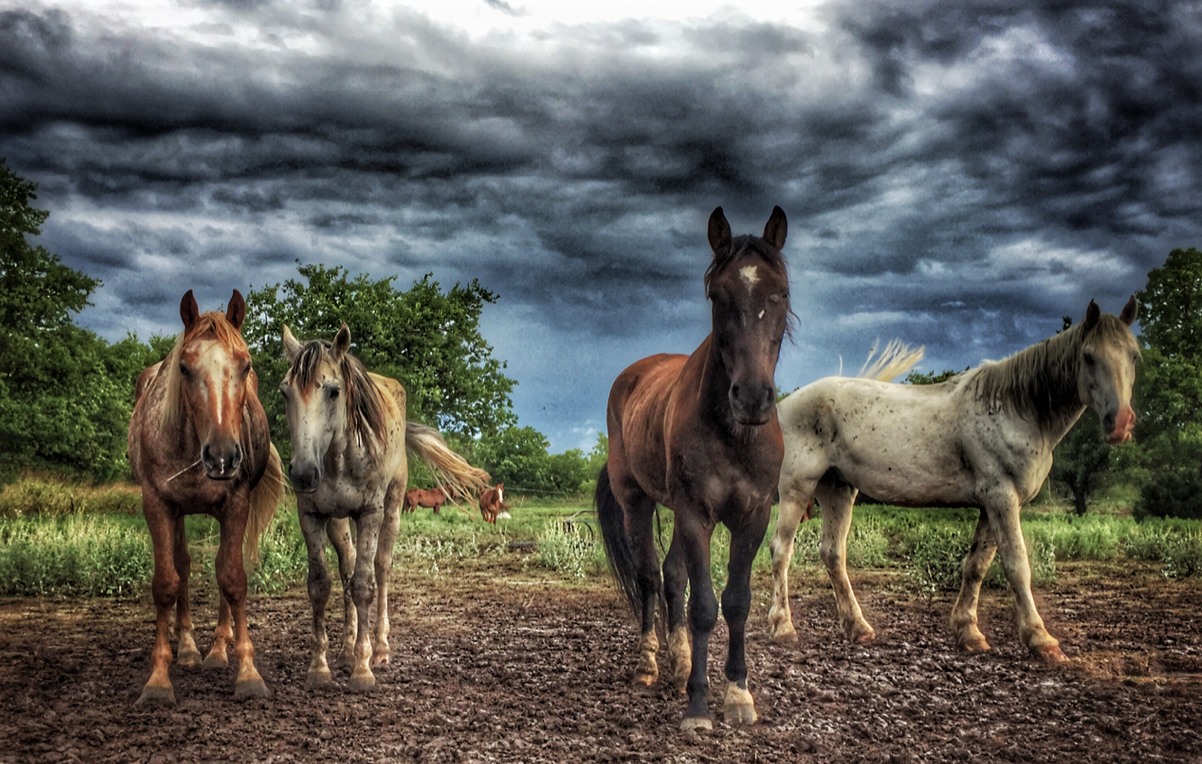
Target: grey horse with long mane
{"points": [[982, 439], [349, 462]]}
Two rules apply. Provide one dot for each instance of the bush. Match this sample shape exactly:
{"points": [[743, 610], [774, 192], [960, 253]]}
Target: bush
{"points": [[77, 555], [564, 550], [56, 496], [1170, 495]]}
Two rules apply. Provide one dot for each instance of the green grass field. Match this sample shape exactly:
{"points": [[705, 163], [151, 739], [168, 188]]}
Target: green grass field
{"points": [[62, 539]]}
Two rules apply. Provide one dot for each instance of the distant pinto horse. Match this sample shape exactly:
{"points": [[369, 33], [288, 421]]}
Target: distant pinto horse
{"points": [[982, 439], [492, 503], [349, 462], [699, 435], [198, 444], [431, 498]]}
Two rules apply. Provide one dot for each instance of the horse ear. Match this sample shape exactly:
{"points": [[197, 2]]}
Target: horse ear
{"points": [[775, 230], [292, 346], [235, 313], [342, 342], [1092, 314], [189, 311], [719, 232], [1130, 311]]}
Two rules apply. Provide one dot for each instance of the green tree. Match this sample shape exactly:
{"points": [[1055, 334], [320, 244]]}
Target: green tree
{"points": [[65, 394], [427, 338]]}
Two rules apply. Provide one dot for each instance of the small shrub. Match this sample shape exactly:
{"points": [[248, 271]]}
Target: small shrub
{"points": [[1170, 495], [75, 555], [563, 550]]}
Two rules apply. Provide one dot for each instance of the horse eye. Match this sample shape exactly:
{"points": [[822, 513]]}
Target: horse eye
{"points": [[1088, 356], [246, 369], [332, 393], [183, 369]]}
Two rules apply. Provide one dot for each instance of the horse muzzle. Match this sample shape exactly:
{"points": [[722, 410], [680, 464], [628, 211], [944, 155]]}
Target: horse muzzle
{"points": [[221, 460], [306, 478], [752, 404], [1118, 428]]}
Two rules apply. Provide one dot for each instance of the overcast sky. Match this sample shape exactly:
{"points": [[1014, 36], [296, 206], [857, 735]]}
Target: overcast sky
{"points": [[959, 175]]}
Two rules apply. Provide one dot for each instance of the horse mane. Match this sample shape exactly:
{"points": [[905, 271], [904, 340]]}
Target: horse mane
{"points": [[1036, 382], [363, 399], [223, 331], [740, 246]]}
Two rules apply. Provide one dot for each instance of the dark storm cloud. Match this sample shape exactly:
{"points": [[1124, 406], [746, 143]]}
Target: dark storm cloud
{"points": [[961, 175]]}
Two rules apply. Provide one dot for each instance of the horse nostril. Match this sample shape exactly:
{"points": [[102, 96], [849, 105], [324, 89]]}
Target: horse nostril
{"points": [[1108, 422]]}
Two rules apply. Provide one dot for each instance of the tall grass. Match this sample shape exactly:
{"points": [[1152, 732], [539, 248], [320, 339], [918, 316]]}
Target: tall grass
{"points": [[86, 555], [36, 494]]}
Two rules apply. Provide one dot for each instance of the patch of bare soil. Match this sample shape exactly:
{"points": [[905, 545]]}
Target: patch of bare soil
{"points": [[504, 664]]}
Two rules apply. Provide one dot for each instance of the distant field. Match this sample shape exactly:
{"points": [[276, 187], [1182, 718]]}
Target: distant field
{"points": [[59, 539]]}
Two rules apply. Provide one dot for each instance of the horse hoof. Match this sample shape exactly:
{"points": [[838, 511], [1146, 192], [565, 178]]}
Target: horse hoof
{"points": [[785, 636], [188, 658], [216, 661], [362, 683], [864, 637], [1050, 655], [645, 679], [380, 659], [251, 688], [696, 723], [151, 695], [976, 645], [740, 715], [739, 706], [319, 679]]}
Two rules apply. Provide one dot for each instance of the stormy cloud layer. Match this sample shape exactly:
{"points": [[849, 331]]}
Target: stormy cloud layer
{"points": [[959, 175]]}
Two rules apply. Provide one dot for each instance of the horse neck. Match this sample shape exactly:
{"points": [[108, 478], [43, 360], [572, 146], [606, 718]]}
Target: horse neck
{"points": [[1041, 384]]}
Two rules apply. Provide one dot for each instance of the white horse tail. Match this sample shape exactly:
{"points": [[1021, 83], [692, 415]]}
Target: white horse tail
{"points": [[264, 498], [460, 479], [896, 359]]}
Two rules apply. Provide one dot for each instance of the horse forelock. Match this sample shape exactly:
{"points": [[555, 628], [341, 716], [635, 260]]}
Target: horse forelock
{"points": [[748, 246], [1036, 382], [211, 325]]}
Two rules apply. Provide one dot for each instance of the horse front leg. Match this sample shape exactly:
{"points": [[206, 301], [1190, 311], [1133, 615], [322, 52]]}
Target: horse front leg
{"points": [[231, 579], [165, 588], [381, 651], [186, 653], [794, 508], [313, 527], [1004, 517], [363, 589], [339, 532], [745, 540], [680, 652], [976, 565], [837, 499], [694, 536]]}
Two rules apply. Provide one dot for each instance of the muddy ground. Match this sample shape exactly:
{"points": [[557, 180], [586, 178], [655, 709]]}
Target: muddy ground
{"points": [[505, 663]]}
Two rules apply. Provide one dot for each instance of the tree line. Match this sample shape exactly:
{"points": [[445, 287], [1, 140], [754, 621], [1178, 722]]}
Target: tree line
{"points": [[66, 394]]}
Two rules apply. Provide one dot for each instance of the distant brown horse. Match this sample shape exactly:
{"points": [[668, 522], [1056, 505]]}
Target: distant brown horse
{"points": [[198, 444], [432, 498], [492, 503], [699, 435]]}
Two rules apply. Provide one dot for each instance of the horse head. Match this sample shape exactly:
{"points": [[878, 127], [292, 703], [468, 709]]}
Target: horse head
{"points": [[212, 381], [748, 287], [1107, 368], [316, 405]]}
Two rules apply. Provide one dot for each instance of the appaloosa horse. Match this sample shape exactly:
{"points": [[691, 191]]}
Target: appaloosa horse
{"points": [[982, 439], [349, 440], [492, 503], [431, 498], [198, 444], [699, 435]]}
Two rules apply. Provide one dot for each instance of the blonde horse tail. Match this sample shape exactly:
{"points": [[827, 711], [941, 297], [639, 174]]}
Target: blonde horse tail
{"points": [[264, 499], [460, 479], [896, 359]]}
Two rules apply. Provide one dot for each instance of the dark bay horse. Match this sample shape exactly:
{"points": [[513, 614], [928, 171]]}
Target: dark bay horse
{"points": [[198, 443], [981, 439], [349, 439], [699, 435], [431, 498]]}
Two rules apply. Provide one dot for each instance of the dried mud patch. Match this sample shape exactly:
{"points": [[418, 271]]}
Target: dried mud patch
{"points": [[498, 663]]}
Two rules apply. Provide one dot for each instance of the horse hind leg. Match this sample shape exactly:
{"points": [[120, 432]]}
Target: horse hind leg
{"points": [[976, 565], [642, 543], [795, 502], [837, 498], [186, 653], [680, 650]]}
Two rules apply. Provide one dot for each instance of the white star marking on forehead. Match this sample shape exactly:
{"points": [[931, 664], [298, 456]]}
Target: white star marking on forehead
{"points": [[750, 276]]}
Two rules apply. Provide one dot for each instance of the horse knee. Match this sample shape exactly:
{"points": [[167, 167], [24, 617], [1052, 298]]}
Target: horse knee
{"points": [[363, 589], [165, 588], [832, 556], [703, 613]]}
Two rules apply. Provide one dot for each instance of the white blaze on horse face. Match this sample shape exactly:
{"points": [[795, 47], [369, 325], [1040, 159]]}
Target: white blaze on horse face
{"points": [[213, 370], [751, 276]]}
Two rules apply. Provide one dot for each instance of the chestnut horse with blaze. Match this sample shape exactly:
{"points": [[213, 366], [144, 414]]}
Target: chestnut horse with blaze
{"points": [[699, 435], [492, 503], [198, 444]]}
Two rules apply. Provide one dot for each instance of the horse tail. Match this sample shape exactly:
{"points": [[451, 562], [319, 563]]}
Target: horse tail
{"points": [[618, 551], [264, 498], [455, 476], [896, 359]]}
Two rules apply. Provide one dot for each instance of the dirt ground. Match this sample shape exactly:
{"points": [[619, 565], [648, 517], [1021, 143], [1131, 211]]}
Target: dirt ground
{"points": [[506, 664]]}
